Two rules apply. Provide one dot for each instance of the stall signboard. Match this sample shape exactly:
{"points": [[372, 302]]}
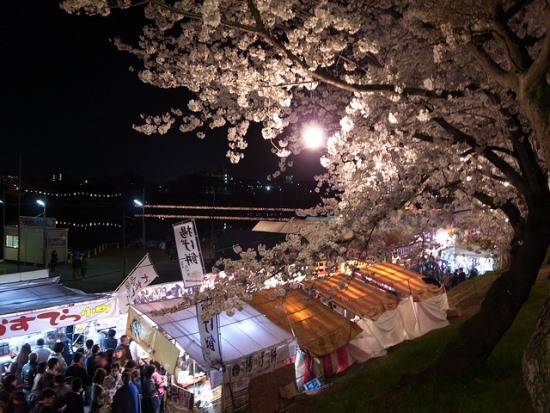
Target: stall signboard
{"points": [[189, 253], [51, 318], [209, 332], [56, 241], [252, 365], [48, 222], [161, 292]]}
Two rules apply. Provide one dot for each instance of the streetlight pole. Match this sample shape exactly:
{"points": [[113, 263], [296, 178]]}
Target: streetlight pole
{"points": [[142, 205], [3, 202], [42, 203], [124, 242]]}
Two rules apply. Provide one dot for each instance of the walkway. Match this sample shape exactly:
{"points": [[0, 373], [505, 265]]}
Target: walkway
{"points": [[107, 269]]}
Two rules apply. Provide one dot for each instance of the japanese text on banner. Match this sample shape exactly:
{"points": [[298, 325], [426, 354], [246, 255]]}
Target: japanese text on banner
{"points": [[209, 333], [189, 253]]}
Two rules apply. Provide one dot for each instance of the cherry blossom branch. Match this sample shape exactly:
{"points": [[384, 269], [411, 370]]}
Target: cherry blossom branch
{"points": [[497, 161], [198, 16], [519, 56]]}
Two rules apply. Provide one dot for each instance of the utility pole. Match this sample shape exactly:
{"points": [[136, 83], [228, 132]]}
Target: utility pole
{"points": [[19, 219]]}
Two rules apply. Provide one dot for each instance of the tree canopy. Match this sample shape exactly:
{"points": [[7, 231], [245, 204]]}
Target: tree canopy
{"points": [[434, 112]]}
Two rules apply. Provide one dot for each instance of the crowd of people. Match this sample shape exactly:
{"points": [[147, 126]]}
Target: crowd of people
{"points": [[440, 272], [105, 377]]}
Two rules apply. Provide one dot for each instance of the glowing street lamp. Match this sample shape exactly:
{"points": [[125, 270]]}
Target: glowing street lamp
{"points": [[43, 205]]}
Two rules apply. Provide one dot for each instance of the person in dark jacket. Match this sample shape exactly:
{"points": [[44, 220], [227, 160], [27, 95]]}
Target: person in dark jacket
{"points": [[28, 373], [150, 400], [110, 342], [9, 382], [47, 395], [76, 369], [74, 400], [17, 403], [126, 399]]}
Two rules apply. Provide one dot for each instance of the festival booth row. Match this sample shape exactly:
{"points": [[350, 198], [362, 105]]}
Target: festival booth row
{"points": [[390, 304], [322, 334], [428, 298], [37, 306], [255, 356], [471, 256], [40, 307]]}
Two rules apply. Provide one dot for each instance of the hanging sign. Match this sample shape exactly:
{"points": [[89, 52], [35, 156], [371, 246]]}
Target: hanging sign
{"points": [[189, 253], [209, 332]]}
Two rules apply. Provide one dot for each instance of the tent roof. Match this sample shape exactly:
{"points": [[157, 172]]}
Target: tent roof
{"points": [[318, 329], [26, 296], [355, 295], [314, 227], [245, 333], [402, 280]]}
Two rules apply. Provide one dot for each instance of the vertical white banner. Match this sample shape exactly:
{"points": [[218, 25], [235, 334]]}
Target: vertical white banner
{"points": [[189, 253], [140, 277], [209, 332]]}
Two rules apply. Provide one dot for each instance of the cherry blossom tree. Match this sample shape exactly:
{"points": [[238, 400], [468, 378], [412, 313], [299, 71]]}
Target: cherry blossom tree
{"points": [[429, 108]]}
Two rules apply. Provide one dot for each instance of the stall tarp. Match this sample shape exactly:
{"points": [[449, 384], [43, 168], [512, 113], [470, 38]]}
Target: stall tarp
{"points": [[247, 333], [319, 329], [39, 305], [402, 280], [23, 296], [152, 340], [432, 313], [355, 295]]}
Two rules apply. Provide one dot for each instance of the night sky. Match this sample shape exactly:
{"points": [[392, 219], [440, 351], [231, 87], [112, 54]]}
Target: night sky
{"points": [[69, 101]]}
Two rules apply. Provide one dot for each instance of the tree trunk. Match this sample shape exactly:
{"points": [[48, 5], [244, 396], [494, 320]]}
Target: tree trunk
{"points": [[481, 333], [536, 361]]}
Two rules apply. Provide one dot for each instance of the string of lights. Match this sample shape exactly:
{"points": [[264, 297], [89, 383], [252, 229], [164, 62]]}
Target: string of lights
{"points": [[89, 224], [70, 194], [216, 218], [219, 208]]}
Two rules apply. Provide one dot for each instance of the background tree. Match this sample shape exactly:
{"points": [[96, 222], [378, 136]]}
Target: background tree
{"points": [[428, 108]]}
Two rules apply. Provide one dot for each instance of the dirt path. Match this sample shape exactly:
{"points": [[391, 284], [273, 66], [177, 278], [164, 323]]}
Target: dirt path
{"points": [[467, 296]]}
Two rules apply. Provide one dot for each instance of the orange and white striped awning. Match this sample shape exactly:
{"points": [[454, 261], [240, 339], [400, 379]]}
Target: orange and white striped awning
{"points": [[401, 280], [318, 329], [355, 295]]}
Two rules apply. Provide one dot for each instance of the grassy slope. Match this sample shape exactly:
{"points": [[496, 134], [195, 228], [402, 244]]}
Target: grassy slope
{"points": [[495, 386]]}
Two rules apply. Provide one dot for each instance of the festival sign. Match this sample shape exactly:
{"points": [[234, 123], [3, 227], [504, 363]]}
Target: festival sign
{"points": [[48, 319], [189, 253], [209, 333], [44, 222]]}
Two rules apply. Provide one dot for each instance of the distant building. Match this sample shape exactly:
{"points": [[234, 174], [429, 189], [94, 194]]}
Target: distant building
{"points": [[35, 241]]}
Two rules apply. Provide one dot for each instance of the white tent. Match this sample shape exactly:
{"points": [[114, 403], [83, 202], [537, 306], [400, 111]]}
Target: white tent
{"points": [[471, 256], [246, 333], [42, 304]]}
